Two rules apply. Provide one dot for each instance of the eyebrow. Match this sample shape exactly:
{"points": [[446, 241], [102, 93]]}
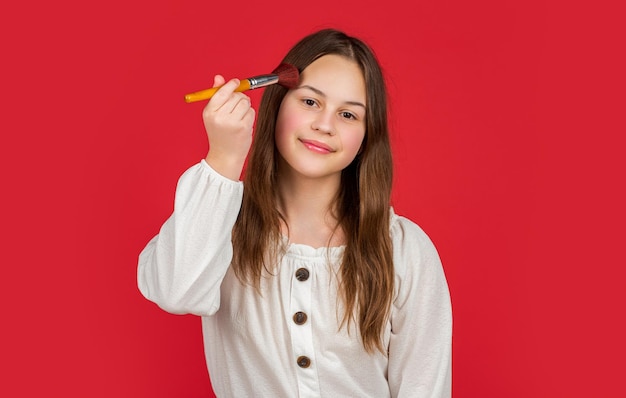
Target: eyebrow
{"points": [[321, 93]]}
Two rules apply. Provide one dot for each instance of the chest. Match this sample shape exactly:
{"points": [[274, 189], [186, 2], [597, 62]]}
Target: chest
{"points": [[300, 298]]}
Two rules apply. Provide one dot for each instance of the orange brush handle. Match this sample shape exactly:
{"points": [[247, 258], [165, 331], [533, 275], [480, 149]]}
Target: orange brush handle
{"points": [[208, 93]]}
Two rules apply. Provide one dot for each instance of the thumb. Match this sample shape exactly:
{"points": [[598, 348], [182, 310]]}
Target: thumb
{"points": [[218, 80]]}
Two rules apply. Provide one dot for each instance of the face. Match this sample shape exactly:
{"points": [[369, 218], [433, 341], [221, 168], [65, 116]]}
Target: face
{"points": [[321, 123]]}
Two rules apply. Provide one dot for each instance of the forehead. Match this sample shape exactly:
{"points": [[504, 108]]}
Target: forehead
{"points": [[336, 76]]}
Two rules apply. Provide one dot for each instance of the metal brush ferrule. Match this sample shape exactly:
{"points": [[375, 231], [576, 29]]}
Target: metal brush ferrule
{"points": [[262, 81]]}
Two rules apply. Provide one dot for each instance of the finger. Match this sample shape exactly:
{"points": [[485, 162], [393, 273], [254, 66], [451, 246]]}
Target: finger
{"points": [[241, 107], [233, 101], [249, 117], [218, 80], [222, 95]]}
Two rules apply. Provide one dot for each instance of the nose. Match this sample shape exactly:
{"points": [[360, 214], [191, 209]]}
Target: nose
{"points": [[324, 123]]}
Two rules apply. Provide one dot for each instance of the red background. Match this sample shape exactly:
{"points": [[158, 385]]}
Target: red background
{"points": [[506, 119]]}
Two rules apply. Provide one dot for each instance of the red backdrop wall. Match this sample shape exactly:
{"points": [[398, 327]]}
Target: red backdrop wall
{"points": [[506, 119]]}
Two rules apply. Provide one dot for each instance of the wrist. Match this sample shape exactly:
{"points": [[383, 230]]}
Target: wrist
{"points": [[227, 166]]}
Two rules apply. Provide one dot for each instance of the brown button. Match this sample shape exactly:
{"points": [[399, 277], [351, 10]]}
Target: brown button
{"points": [[302, 274], [304, 362], [299, 318]]}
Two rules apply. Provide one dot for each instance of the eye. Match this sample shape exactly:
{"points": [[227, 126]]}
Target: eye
{"points": [[348, 115], [309, 102]]}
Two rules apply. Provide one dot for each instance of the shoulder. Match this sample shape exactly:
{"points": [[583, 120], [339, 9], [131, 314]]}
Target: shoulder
{"points": [[408, 238], [416, 260]]}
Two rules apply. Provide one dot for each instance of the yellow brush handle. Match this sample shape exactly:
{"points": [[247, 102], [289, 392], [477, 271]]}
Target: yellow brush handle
{"points": [[208, 93]]}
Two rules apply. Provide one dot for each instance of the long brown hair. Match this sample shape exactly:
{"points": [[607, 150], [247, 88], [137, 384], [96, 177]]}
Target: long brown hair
{"points": [[366, 273]]}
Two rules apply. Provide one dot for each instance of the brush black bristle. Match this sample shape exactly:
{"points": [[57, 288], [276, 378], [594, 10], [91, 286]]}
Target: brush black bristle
{"points": [[288, 75]]}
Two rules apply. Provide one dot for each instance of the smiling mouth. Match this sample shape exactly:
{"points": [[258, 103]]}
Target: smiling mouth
{"points": [[317, 146]]}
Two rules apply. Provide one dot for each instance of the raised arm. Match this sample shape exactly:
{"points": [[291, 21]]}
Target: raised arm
{"points": [[181, 269]]}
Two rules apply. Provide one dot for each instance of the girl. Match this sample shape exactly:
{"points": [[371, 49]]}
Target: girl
{"points": [[307, 283]]}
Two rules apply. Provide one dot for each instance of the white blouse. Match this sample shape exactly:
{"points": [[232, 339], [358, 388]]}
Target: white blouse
{"points": [[287, 341]]}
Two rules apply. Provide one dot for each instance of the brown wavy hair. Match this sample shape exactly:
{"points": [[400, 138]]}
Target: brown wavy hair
{"points": [[362, 205]]}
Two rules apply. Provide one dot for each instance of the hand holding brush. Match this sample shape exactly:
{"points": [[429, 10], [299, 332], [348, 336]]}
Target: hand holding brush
{"points": [[285, 74]]}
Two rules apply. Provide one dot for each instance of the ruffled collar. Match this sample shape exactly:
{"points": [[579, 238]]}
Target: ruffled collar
{"points": [[302, 250]]}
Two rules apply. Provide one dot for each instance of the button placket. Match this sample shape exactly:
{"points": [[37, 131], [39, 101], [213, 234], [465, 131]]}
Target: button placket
{"points": [[301, 330]]}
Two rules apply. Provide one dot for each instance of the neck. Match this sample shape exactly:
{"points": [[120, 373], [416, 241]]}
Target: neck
{"points": [[308, 207]]}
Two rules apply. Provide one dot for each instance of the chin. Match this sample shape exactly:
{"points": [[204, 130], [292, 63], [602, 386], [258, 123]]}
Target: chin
{"points": [[308, 171]]}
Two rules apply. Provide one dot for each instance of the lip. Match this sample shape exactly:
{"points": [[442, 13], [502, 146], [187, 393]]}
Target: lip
{"points": [[317, 146]]}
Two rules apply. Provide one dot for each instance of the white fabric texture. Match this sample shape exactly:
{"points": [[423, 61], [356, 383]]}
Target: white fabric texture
{"points": [[251, 341]]}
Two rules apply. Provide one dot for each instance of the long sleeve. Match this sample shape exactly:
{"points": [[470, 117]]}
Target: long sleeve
{"points": [[420, 346], [181, 269]]}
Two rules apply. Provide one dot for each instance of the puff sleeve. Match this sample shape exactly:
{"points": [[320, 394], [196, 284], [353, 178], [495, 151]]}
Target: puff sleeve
{"points": [[181, 269]]}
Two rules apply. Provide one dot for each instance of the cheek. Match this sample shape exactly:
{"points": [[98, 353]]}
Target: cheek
{"points": [[284, 131], [352, 141], [285, 123]]}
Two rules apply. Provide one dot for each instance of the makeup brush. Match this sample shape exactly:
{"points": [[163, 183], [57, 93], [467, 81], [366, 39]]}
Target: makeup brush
{"points": [[285, 74]]}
